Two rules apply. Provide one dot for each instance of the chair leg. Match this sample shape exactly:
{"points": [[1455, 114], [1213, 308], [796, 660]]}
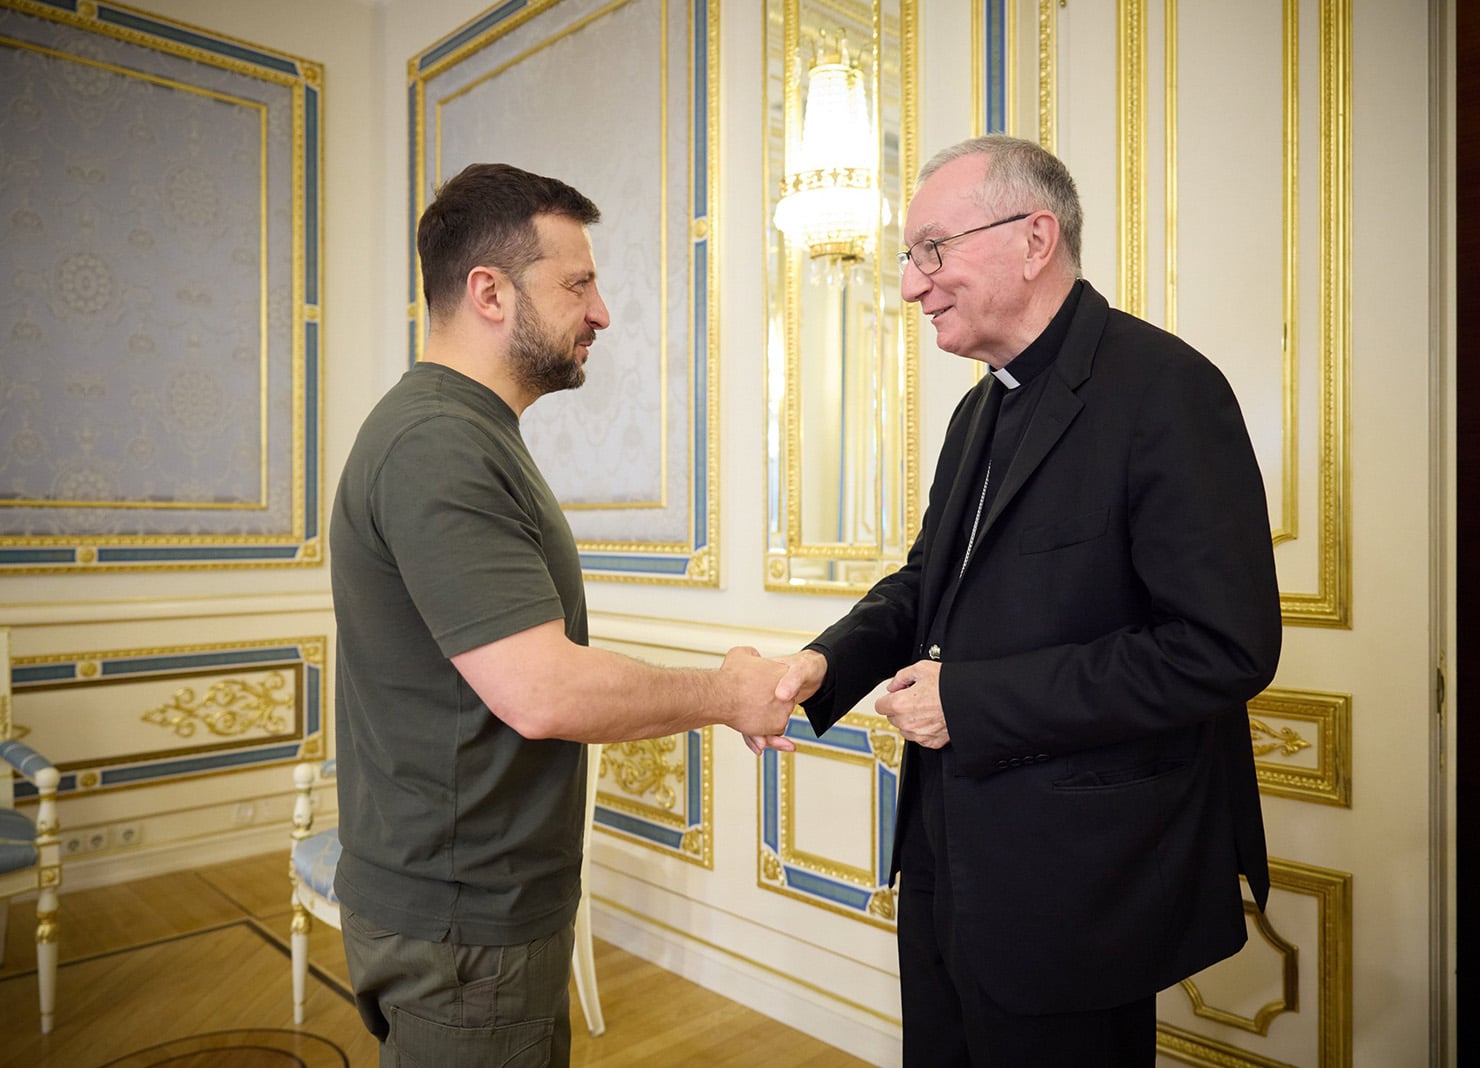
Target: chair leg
{"points": [[583, 961], [46, 964], [584, 966], [302, 924]]}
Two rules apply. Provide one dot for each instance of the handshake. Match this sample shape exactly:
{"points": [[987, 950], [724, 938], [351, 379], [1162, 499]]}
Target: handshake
{"points": [[756, 695]]}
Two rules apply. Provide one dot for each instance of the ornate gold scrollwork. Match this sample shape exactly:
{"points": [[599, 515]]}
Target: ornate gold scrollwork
{"points": [[771, 870], [693, 842], [229, 708], [887, 749], [646, 767], [882, 904], [1266, 739]]}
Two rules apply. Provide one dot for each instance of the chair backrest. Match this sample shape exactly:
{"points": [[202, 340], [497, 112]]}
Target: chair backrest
{"points": [[7, 779]]}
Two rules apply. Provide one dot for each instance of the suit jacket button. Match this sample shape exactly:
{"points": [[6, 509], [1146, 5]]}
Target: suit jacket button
{"points": [[1042, 757], [1015, 762], [1001, 763], [933, 652]]}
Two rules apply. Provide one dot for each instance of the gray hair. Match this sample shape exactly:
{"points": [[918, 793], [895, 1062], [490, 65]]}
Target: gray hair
{"points": [[1021, 176]]}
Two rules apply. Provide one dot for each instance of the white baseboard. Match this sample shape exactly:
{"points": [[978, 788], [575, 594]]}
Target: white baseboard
{"points": [[143, 862], [793, 1004]]}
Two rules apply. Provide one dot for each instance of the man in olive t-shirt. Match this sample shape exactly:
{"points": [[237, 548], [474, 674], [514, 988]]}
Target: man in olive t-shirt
{"points": [[465, 687]]}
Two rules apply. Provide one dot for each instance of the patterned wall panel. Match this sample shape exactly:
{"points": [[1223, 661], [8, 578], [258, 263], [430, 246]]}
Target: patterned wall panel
{"points": [[160, 316], [632, 456], [146, 716]]}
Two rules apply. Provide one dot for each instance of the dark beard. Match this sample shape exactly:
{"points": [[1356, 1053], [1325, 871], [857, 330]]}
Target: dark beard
{"points": [[537, 362]]}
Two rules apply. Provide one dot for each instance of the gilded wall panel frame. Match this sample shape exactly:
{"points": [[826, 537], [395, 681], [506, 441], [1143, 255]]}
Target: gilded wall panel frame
{"points": [[1326, 967], [1329, 602], [1292, 728], [634, 456], [838, 884], [162, 377], [993, 67], [149, 716], [659, 793]]}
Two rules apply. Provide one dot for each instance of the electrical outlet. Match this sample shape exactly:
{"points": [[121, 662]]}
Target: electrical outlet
{"points": [[79, 843], [245, 812], [127, 834]]}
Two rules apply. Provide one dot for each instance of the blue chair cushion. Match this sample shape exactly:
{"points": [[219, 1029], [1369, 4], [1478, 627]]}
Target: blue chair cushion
{"points": [[314, 859], [17, 841]]}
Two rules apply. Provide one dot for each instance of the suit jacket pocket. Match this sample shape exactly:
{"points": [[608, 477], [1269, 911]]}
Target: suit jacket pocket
{"points": [[1120, 777], [1045, 537]]}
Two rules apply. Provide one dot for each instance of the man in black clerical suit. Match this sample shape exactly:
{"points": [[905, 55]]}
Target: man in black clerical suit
{"points": [[1089, 604]]}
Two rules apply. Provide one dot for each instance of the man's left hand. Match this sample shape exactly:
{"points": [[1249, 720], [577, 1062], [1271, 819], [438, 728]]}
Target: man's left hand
{"points": [[913, 705]]}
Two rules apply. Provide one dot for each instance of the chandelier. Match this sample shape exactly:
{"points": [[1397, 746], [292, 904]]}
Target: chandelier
{"points": [[830, 201]]}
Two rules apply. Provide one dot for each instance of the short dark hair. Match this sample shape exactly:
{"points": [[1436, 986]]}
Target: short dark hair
{"points": [[484, 217]]}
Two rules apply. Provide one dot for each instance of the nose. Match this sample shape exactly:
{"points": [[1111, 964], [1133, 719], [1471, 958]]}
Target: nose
{"points": [[913, 282], [597, 314]]}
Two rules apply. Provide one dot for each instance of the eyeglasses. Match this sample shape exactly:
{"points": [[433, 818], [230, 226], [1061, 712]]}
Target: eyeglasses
{"points": [[925, 254]]}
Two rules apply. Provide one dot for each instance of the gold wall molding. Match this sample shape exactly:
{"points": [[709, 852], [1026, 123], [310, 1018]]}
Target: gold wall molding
{"points": [[1280, 719], [1169, 170], [1332, 894], [1330, 603], [1289, 999], [1131, 172], [1048, 135], [858, 740], [263, 704], [984, 58]]}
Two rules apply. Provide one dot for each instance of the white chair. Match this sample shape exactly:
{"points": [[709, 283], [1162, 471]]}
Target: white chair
{"points": [[316, 854], [25, 845]]}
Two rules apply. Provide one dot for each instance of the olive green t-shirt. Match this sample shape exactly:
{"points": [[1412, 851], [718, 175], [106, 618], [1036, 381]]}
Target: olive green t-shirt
{"points": [[444, 537]]}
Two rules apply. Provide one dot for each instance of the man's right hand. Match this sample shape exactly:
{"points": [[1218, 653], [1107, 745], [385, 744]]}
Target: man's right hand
{"points": [[748, 687], [805, 672]]}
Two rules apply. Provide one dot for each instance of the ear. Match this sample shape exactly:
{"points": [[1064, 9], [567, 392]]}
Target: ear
{"points": [[490, 293], [1043, 243]]}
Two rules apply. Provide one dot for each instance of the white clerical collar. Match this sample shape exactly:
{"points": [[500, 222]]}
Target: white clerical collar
{"points": [[1004, 376]]}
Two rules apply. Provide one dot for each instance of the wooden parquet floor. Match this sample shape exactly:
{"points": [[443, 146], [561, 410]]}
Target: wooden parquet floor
{"points": [[191, 970]]}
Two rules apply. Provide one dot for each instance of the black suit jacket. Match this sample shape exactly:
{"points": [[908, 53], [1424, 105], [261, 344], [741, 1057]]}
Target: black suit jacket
{"points": [[1119, 610]]}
